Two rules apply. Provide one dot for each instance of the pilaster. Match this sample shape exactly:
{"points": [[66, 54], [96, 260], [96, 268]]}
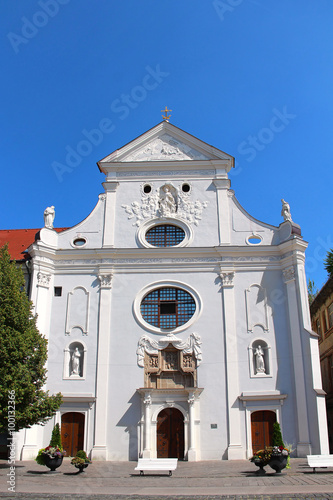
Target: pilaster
{"points": [[110, 212], [235, 448], [99, 451], [222, 191], [303, 439]]}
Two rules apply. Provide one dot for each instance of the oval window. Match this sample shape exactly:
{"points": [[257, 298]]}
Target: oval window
{"points": [[186, 188], [165, 235], [79, 242], [167, 307], [254, 240], [147, 189]]}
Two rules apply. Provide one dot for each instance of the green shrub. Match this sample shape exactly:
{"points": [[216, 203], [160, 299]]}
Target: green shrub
{"points": [[81, 454], [56, 437], [277, 435]]}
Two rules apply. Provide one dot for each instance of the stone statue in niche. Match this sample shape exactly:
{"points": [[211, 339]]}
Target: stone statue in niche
{"points": [[76, 362], [49, 214], [167, 202], [260, 362], [285, 212]]}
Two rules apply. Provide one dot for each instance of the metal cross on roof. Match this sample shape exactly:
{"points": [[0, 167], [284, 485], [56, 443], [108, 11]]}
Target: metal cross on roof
{"points": [[166, 111]]}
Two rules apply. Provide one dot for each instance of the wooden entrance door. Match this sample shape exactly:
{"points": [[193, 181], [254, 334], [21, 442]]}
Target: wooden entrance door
{"points": [[72, 432], [170, 434], [262, 429]]}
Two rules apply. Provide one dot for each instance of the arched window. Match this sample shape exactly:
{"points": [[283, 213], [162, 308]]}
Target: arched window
{"points": [[167, 307], [165, 235]]}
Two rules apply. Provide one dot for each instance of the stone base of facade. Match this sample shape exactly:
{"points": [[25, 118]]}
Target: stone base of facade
{"points": [[29, 452], [303, 449], [236, 452], [99, 453]]}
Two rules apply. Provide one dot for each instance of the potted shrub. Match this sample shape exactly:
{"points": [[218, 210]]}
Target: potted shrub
{"points": [[81, 461], [276, 456], [52, 455]]}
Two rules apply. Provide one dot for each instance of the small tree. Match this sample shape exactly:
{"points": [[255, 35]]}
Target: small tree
{"points": [[277, 435], [312, 291], [23, 354], [328, 262], [56, 437]]}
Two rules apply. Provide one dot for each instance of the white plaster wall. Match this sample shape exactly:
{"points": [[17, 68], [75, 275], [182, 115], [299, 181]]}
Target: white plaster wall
{"points": [[126, 376], [59, 339]]}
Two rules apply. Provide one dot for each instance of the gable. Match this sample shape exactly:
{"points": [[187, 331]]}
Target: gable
{"points": [[164, 142]]}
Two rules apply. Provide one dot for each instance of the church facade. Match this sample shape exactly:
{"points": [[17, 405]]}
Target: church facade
{"points": [[178, 325]]}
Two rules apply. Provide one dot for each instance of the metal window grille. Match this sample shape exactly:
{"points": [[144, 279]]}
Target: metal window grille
{"points": [[165, 235], [167, 307]]}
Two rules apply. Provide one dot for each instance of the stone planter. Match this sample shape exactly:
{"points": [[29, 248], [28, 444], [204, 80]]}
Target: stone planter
{"points": [[261, 464], [278, 463], [52, 462], [81, 467]]}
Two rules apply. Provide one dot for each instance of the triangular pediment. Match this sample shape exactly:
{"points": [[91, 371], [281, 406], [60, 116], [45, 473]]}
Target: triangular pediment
{"points": [[165, 142]]}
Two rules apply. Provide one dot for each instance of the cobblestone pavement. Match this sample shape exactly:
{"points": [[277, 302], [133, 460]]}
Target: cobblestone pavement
{"points": [[209, 480]]}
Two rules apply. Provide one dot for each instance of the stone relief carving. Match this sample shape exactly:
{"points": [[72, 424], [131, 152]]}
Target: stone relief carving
{"points": [[165, 148], [167, 201], [49, 214], [43, 279], [168, 173], [227, 278], [150, 346], [260, 362], [105, 280], [289, 274]]}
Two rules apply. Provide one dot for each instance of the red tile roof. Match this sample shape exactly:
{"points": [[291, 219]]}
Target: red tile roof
{"points": [[19, 240]]}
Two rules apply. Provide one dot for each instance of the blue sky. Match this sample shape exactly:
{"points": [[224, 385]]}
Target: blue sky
{"points": [[253, 78]]}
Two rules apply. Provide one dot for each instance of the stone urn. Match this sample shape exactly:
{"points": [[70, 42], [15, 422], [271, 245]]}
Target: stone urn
{"points": [[52, 462], [278, 462], [81, 467], [261, 464]]}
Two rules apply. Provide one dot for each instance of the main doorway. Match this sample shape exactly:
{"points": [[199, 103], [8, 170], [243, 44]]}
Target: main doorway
{"points": [[72, 432], [170, 434], [262, 429]]}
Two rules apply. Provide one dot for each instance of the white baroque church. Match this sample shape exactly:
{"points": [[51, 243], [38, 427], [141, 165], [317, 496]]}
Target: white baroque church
{"points": [[178, 325]]}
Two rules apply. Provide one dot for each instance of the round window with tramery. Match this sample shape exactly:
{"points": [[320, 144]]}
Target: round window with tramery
{"points": [[167, 307]]}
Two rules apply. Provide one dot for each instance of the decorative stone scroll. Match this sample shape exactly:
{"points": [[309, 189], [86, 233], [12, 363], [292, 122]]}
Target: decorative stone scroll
{"points": [[105, 280], [43, 279], [150, 346], [289, 274], [167, 201], [165, 148], [227, 278]]}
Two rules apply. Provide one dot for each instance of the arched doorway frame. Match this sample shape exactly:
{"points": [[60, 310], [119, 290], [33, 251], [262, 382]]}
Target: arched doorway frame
{"points": [[69, 407], [84, 426], [249, 410], [154, 427]]}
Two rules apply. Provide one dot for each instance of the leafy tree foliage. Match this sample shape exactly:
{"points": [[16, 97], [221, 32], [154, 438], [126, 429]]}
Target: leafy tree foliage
{"points": [[312, 291], [23, 354], [328, 262]]}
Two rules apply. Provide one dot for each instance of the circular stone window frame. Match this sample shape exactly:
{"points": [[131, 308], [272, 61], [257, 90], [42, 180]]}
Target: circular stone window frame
{"points": [[255, 236], [161, 221], [79, 238], [166, 284]]}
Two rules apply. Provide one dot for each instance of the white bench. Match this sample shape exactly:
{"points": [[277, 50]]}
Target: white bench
{"points": [[315, 461], [156, 464]]}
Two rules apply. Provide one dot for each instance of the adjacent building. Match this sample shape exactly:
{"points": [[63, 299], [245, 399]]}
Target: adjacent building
{"points": [[178, 324], [322, 323]]}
